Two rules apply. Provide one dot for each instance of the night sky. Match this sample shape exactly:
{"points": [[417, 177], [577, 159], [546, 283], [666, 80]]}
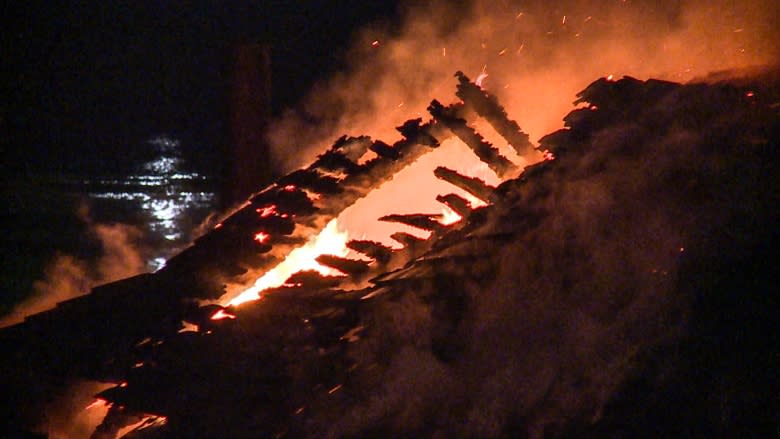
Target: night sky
{"points": [[84, 81], [85, 85]]}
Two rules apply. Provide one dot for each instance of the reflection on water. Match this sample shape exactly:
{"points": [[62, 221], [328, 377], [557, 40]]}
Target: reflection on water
{"points": [[171, 199]]}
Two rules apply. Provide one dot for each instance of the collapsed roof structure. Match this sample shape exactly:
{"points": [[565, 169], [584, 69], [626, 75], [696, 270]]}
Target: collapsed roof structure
{"points": [[593, 283]]}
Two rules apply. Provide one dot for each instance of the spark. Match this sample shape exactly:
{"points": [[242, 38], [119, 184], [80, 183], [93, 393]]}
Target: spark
{"points": [[375, 43], [262, 237]]}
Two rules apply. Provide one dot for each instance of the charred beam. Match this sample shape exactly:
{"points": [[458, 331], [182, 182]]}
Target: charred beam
{"points": [[457, 203], [351, 267], [472, 185], [408, 240], [372, 249], [487, 106], [352, 147], [384, 150], [482, 148], [418, 220], [417, 133]]}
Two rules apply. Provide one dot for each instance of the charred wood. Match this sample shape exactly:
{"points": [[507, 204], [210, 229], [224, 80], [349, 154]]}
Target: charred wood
{"points": [[311, 179], [457, 203], [351, 267], [372, 249], [408, 240], [483, 149], [384, 150], [415, 132], [487, 106], [352, 147], [418, 220], [472, 185]]}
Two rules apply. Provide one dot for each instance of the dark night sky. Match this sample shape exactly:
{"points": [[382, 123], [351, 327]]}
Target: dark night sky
{"points": [[83, 81]]}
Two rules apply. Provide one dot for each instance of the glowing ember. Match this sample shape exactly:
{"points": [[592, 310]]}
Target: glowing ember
{"points": [[329, 241], [221, 314], [548, 155], [267, 211], [262, 237]]}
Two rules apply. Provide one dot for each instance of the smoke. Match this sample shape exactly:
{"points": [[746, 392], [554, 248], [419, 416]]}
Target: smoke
{"points": [[588, 287], [70, 415], [537, 56], [68, 276], [577, 303]]}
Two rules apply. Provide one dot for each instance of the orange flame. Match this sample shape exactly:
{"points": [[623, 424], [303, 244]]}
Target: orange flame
{"points": [[221, 314], [330, 241]]}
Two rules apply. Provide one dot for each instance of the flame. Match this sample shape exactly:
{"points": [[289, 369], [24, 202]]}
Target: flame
{"points": [[482, 76], [97, 402], [221, 314], [449, 216], [330, 241]]}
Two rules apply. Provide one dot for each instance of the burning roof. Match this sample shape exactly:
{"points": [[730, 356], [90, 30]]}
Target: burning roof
{"points": [[584, 298]]}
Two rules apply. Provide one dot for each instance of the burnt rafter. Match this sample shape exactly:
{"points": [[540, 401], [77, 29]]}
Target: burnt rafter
{"points": [[487, 106], [457, 203], [482, 148], [472, 185], [418, 220], [372, 249], [352, 267]]}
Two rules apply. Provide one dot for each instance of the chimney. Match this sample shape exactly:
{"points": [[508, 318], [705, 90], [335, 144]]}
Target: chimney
{"points": [[247, 162]]}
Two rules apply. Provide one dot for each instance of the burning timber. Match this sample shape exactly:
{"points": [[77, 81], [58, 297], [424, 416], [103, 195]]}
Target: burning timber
{"points": [[584, 300]]}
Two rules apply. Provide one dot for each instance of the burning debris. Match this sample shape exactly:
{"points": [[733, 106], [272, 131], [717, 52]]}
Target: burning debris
{"points": [[560, 307]]}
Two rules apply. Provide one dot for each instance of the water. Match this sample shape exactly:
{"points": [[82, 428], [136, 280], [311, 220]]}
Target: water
{"points": [[161, 192]]}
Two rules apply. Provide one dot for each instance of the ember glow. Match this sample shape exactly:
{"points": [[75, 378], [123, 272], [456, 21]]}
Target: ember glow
{"points": [[262, 237], [221, 315]]}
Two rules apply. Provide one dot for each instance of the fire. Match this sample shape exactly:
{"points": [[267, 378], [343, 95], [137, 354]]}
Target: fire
{"points": [[330, 241], [97, 402], [221, 314], [481, 78], [449, 216]]}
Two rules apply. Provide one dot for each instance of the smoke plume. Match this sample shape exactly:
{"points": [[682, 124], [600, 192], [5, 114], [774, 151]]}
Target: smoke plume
{"points": [[68, 276], [537, 55]]}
